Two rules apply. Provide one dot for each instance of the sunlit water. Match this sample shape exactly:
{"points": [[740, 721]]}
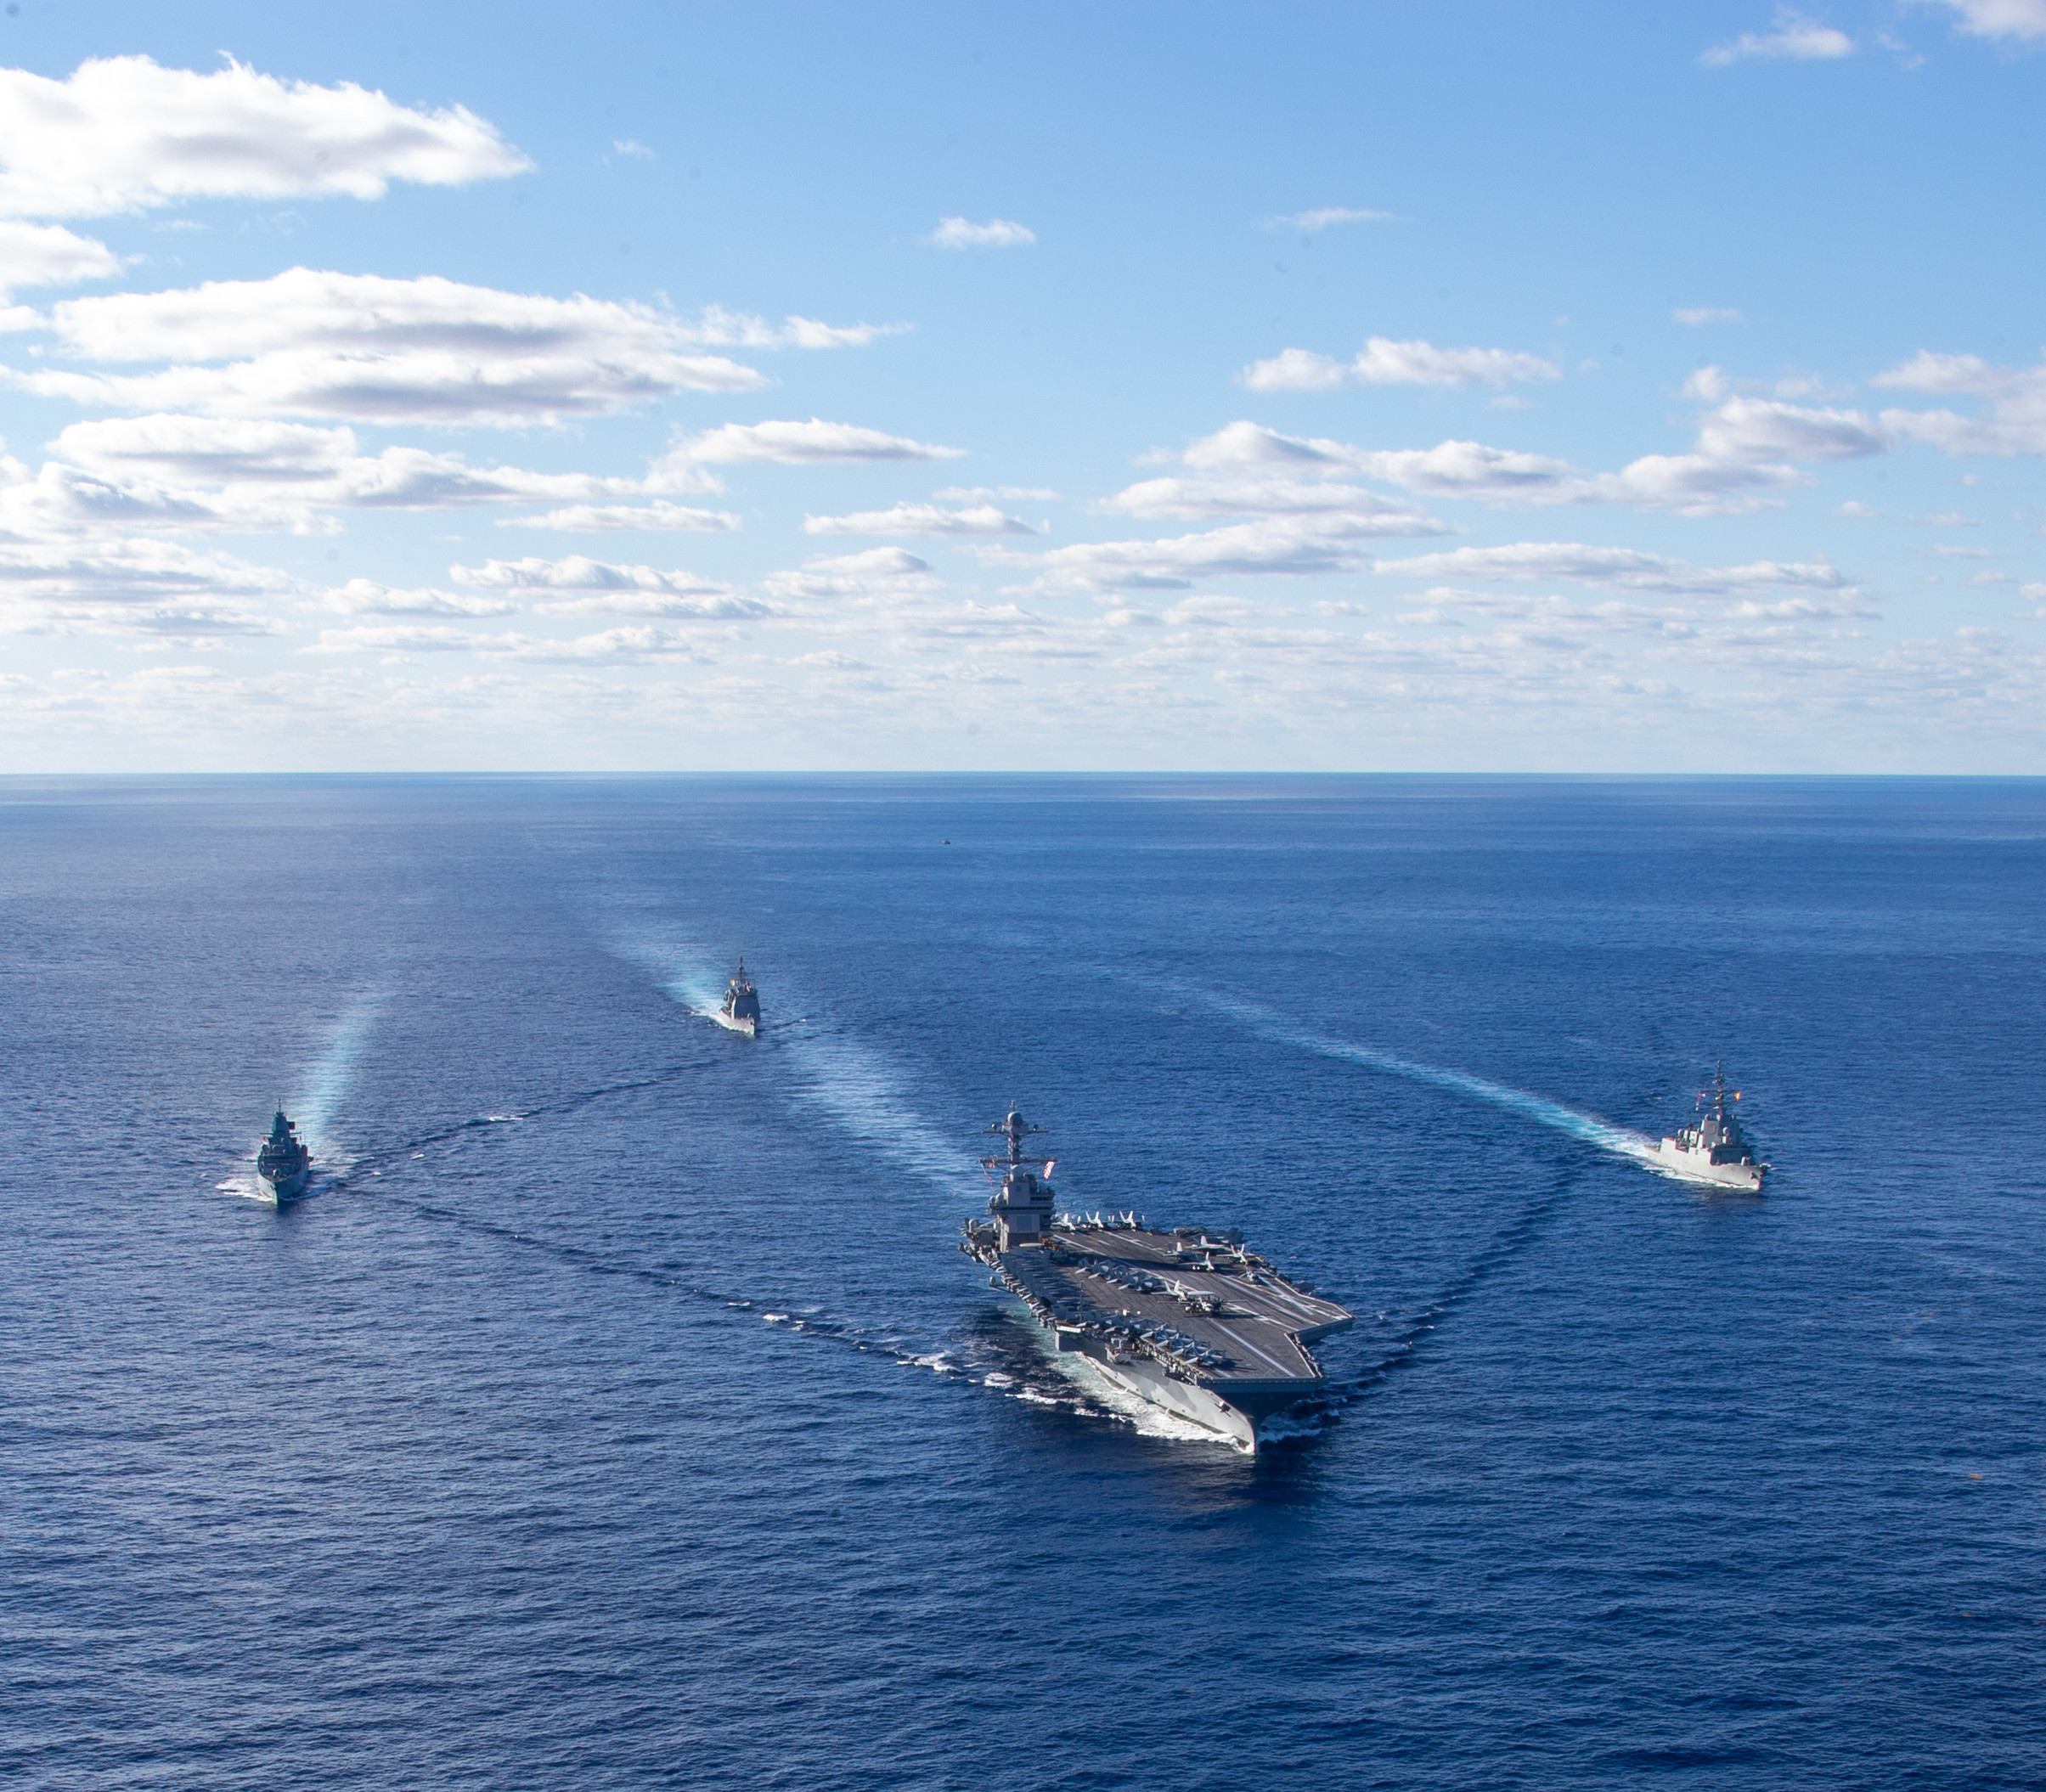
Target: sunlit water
{"points": [[619, 1410]]}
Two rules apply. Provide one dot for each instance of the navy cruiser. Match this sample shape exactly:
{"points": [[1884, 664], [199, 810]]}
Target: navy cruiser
{"points": [[283, 1164], [740, 1009], [1189, 1319], [1713, 1148]]}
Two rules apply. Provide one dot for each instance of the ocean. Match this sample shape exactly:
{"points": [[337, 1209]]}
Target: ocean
{"points": [[619, 1410]]}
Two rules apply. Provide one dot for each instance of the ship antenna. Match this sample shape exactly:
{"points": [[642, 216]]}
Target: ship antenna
{"points": [[1015, 1128]]}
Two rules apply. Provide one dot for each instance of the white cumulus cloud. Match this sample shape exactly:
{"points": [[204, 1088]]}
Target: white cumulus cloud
{"points": [[919, 519], [48, 255], [2012, 420], [1384, 361], [596, 518], [139, 587], [310, 343], [2022, 21], [1622, 569], [1296, 546], [366, 597], [122, 133], [998, 233], [577, 586], [1795, 38], [249, 472], [1745, 451], [795, 444], [892, 573]]}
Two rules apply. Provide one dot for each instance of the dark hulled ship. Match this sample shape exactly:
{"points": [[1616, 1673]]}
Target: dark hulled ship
{"points": [[283, 1166], [741, 1009]]}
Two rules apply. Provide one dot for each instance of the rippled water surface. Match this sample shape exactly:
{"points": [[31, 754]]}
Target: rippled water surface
{"points": [[619, 1412]]}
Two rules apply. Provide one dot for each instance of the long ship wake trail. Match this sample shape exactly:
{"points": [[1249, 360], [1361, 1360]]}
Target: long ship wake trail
{"points": [[322, 1095], [1622, 1142]]}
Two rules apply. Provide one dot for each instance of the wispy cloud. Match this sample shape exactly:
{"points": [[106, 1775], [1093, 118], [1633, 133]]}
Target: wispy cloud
{"points": [[1384, 361], [2008, 22], [1795, 38], [797, 443], [1698, 316], [2012, 420], [1322, 216], [579, 586], [1746, 451], [919, 519], [598, 518], [998, 233], [429, 350], [366, 597], [1621, 569]]}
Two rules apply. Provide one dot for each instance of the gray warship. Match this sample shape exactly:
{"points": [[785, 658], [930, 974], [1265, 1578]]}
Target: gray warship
{"points": [[741, 1009], [1189, 1319], [1713, 1148], [283, 1164]]}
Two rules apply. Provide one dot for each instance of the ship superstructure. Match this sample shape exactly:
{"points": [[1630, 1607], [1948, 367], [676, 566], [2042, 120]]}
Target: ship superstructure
{"points": [[741, 1009], [1713, 1148], [1188, 1319], [283, 1166]]}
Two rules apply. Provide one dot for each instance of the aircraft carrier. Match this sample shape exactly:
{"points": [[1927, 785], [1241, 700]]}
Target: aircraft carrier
{"points": [[1188, 1319]]}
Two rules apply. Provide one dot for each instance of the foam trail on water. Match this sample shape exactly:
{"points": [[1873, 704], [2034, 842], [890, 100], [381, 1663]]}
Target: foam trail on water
{"points": [[682, 970], [848, 1081], [862, 1093], [1621, 1141], [314, 1106]]}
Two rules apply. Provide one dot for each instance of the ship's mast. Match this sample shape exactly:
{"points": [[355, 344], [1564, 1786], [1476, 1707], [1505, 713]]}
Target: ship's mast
{"points": [[1022, 1207]]}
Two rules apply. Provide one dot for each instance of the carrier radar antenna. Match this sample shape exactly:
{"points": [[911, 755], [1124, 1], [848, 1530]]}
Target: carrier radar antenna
{"points": [[1015, 1128]]}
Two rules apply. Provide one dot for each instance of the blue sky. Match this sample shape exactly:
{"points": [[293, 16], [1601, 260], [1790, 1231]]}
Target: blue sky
{"points": [[1597, 388]]}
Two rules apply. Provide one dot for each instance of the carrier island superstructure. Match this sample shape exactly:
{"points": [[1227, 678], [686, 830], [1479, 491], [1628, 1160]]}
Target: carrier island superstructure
{"points": [[1188, 1319]]}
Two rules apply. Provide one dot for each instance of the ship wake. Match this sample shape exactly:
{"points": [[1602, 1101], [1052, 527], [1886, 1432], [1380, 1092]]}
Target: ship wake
{"points": [[1621, 1142], [316, 1105]]}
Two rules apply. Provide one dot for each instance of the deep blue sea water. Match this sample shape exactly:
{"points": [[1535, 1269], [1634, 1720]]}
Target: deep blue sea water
{"points": [[621, 1413]]}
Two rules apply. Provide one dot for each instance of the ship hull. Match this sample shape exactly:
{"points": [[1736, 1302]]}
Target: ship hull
{"points": [[1695, 1166], [280, 1190], [747, 1024], [1241, 1419]]}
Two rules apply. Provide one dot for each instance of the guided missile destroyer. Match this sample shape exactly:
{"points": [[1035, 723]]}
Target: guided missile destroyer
{"points": [[283, 1164], [1189, 1319], [1713, 1148], [740, 1009]]}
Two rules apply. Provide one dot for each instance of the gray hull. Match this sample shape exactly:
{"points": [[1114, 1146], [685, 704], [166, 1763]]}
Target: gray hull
{"points": [[1696, 1166], [748, 1026], [1240, 1419], [285, 1189]]}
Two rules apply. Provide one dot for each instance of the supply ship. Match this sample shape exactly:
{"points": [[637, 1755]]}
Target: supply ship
{"points": [[1190, 1320], [740, 1009], [1713, 1148], [283, 1164]]}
